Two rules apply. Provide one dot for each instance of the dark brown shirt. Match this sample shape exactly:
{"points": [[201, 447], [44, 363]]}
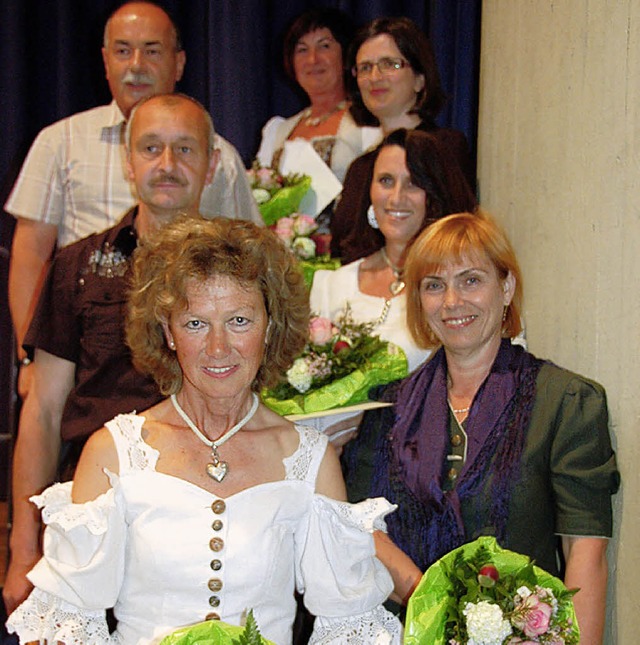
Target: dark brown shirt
{"points": [[80, 317]]}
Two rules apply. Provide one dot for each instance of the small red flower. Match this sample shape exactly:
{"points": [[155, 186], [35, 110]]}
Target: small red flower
{"points": [[488, 576], [340, 345]]}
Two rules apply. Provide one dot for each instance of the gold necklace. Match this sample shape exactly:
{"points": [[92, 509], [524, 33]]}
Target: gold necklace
{"points": [[397, 285], [314, 121]]}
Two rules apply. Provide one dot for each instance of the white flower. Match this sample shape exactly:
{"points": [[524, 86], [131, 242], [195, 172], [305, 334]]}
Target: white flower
{"points": [[486, 625], [261, 195], [299, 375], [304, 247]]}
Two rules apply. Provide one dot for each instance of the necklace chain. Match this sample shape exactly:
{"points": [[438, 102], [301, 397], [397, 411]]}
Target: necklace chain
{"points": [[397, 285], [459, 410], [313, 121], [227, 435]]}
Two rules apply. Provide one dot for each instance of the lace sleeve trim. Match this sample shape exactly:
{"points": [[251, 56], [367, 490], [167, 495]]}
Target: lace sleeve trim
{"points": [[375, 626], [46, 618], [133, 453], [367, 515], [304, 463], [58, 508]]}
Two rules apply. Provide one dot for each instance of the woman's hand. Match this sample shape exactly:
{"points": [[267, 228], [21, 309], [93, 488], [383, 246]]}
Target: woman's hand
{"points": [[343, 431]]}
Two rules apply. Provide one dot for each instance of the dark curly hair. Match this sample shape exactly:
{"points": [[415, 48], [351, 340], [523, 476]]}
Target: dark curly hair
{"points": [[194, 248], [416, 49]]}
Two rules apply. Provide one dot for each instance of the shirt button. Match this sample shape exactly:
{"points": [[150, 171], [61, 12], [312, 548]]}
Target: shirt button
{"points": [[81, 282], [452, 474], [218, 507], [456, 440], [216, 565], [214, 601], [217, 525], [215, 584], [216, 544], [212, 616]]}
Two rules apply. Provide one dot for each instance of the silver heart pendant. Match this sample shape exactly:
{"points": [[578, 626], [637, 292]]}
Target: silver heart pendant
{"points": [[396, 287], [218, 471]]}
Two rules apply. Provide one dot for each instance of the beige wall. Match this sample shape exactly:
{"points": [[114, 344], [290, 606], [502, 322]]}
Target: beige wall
{"points": [[559, 166]]}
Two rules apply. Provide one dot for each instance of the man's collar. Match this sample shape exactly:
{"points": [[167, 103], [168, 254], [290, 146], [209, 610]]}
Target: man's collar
{"points": [[115, 116]]}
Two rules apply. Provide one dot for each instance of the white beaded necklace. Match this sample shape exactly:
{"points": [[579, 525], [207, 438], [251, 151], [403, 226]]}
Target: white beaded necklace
{"points": [[218, 469]]}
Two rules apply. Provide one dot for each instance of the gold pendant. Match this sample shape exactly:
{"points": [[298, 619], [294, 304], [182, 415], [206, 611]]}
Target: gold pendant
{"points": [[396, 287], [218, 470]]}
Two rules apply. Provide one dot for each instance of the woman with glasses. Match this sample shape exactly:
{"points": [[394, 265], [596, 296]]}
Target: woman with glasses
{"points": [[394, 83]]}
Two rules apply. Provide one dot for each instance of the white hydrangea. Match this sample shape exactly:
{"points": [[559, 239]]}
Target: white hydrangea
{"points": [[261, 195], [304, 247], [299, 375], [486, 624]]}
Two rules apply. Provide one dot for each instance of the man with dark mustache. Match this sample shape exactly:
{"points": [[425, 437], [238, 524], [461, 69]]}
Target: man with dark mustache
{"points": [[83, 374], [73, 182]]}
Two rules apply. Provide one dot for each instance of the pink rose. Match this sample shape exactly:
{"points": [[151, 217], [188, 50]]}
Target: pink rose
{"points": [[266, 178], [284, 229], [304, 225], [532, 616], [320, 330]]}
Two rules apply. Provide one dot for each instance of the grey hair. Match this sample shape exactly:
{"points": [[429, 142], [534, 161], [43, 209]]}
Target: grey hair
{"points": [[170, 100], [176, 31]]}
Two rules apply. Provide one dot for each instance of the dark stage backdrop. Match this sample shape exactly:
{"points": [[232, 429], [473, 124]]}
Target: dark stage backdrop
{"points": [[52, 67]]}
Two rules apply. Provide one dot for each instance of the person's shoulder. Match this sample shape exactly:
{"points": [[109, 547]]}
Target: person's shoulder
{"points": [[81, 247], [225, 147], [555, 378], [76, 119]]}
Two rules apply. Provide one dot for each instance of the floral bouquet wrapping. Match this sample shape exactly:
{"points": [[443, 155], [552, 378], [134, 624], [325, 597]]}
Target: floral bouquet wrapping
{"points": [[216, 632], [277, 195], [340, 364], [481, 594], [297, 233]]}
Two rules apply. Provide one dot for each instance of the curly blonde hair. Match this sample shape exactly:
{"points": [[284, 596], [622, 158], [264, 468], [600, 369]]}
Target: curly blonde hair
{"points": [[194, 248], [450, 239]]}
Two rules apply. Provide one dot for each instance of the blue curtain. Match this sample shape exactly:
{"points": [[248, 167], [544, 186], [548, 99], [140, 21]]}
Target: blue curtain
{"points": [[52, 67]]}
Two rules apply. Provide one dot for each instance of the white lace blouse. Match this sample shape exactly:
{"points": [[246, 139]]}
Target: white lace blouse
{"points": [[165, 553]]}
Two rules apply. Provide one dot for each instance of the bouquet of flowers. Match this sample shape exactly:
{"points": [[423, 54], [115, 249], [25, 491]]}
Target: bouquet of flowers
{"points": [[481, 594], [296, 232], [277, 195], [216, 632], [339, 365]]}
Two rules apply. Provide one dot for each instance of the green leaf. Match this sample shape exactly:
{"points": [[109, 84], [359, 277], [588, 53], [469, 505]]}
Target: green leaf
{"points": [[251, 633]]}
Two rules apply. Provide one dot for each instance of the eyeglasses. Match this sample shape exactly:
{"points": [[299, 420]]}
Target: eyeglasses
{"points": [[385, 66]]}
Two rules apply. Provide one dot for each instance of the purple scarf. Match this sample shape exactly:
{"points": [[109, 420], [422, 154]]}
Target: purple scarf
{"points": [[409, 464]]}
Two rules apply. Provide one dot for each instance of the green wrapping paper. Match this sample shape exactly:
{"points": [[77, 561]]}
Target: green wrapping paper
{"points": [[309, 267], [212, 632], [428, 606], [284, 202], [384, 366]]}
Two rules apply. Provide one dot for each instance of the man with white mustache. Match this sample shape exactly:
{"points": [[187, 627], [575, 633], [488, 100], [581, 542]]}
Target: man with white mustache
{"points": [[74, 181], [83, 374]]}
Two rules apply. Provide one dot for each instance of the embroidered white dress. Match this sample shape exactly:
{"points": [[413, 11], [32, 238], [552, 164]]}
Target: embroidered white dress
{"points": [[165, 553]]}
